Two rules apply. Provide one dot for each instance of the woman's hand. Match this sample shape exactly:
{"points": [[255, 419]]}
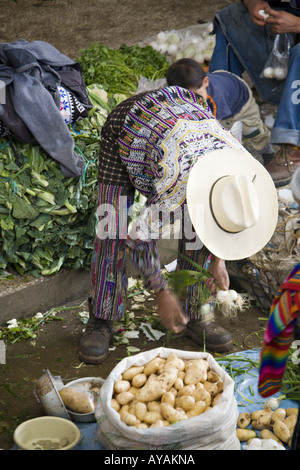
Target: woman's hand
{"points": [[283, 22], [217, 268], [170, 312]]}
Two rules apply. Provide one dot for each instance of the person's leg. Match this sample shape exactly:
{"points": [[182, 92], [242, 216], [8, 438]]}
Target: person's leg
{"points": [[108, 277], [223, 57], [201, 328], [255, 130], [286, 130]]}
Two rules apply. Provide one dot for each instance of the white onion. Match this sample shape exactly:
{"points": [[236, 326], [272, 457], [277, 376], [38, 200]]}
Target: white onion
{"points": [[199, 58], [222, 295], [189, 51], [172, 49], [161, 37], [232, 295], [205, 309], [173, 38], [263, 14], [280, 73], [269, 72]]}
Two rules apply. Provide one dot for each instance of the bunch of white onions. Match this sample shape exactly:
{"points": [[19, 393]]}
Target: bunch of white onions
{"points": [[177, 45], [231, 302]]}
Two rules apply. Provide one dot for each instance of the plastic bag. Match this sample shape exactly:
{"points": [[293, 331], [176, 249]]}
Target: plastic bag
{"points": [[213, 430], [276, 66]]}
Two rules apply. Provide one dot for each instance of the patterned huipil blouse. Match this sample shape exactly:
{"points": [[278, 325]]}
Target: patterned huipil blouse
{"points": [[149, 143]]}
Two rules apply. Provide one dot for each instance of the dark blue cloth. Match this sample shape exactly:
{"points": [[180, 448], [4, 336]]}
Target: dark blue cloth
{"points": [[227, 94]]}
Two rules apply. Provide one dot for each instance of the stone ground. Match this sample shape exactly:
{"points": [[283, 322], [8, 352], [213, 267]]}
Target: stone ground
{"points": [[71, 25]]}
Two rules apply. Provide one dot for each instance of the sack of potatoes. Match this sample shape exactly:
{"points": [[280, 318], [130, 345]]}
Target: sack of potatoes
{"points": [[165, 397]]}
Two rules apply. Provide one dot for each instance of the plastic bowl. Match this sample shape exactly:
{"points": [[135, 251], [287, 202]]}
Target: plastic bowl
{"points": [[84, 417], [46, 433]]}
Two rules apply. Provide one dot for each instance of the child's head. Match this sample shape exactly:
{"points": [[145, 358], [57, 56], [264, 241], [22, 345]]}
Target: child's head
{"points": [[188, 73]]}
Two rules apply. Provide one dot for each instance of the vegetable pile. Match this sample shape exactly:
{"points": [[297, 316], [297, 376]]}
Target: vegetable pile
{"points": [[180, 44], [277, 425], [48, 221], [119, 70], [165, 391]]}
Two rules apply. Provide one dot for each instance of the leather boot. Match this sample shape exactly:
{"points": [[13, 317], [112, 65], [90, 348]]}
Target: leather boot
{"points": [[95, 341], [284, 164], [206, 333]]}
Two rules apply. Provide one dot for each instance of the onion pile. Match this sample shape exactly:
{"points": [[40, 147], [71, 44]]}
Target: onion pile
{"points": [[177, 45]]}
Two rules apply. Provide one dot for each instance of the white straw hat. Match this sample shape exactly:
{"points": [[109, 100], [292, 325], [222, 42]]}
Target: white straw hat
{"points": [[232, 203]]}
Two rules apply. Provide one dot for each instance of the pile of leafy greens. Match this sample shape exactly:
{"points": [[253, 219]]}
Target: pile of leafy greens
{"points": [[119, 70], [48, 221]]}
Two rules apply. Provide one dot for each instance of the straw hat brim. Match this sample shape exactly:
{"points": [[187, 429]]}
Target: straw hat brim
{"points": [[209, 168]]}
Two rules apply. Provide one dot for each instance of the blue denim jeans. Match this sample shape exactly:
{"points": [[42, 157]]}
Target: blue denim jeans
{"points": [[243, 46]]}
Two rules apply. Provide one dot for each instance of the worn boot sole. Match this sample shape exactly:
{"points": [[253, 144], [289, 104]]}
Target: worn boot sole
{"points": [[285, 182], [200, 341], [93, 359]]}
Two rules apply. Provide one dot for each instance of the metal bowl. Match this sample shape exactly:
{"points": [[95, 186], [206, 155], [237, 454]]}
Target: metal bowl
{"points": [[84, 417], [47, 393]]}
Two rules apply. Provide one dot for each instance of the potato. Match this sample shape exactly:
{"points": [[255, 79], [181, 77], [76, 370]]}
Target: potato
{"points": [[245, 434], [115, 405], [281, 431], [133, 390], [203, 395], [198, 408], [140, 409], [291, 411], [185, 402], [290, 422], [195, 374], [77, 401], [278, 414], [168, 397], [178, 384], [141, 426], [152, 416], [152, 366], [216, 399], [212, 376], [129, 419], [170, 414], [220, 386], [243, 420], [131, 372], [123, 409], [187, 390], [153, 406], [181, 374], [174, 391], [256, 414], [174, 361], [158, 424], [156, 386], [262, 422], [267, 434], [121, 386], [201, 363], [124, 398], [139, 380], [211, 388]]}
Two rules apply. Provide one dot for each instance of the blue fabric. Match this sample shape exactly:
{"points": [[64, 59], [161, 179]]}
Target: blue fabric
{"points": [[229, 94], [243, 46]]}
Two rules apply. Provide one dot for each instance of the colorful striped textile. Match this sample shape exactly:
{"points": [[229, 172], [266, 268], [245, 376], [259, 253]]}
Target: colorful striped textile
{"points": [[279, 334]]}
